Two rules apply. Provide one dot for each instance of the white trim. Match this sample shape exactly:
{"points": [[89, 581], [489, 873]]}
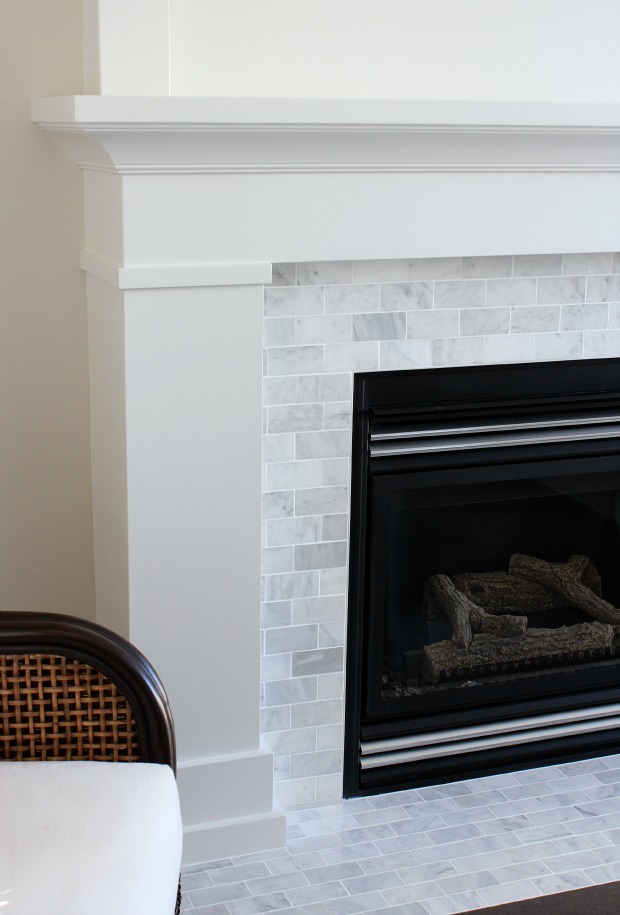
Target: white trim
{"points": [[166, 276]]}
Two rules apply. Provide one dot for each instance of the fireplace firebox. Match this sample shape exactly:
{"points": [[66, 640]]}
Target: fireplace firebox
{"points": [[484, 573]]}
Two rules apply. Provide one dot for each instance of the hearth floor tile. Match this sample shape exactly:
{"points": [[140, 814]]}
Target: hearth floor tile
{"points": [[430, 851]]}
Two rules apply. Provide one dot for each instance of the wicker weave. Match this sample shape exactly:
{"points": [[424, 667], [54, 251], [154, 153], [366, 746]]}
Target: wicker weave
{"points": [[52, 707]]}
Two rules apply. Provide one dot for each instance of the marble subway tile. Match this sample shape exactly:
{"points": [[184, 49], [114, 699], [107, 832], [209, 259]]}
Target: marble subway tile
{"points": [[583, 264], [380, 326], [278, 504], [323, 329], [405, 354], [481, 321], [569, 345], [291, 638], [435, 268], [324, 388], [603, 289], [333, 581], [535, 319], [485, 267], [286, 743], [320, 555], [316, 713], [279, 390], [291, 301], [584, 317], [324, 763], [406, 296], [294, 418], [324, 272], [510, 348], [278, 448], [537, 265], [319, 661], [380, 271], [561, 290], [319, 609], [425, 325], [291, 584], [285, 692], [275, 719], [331, 635], [335, 527], [275, 667], [325, 444], [279, 332], [337, 415], [277, 559], [294, 474], [459, 351], [289, 531], [460, 294], [352, 357], [347, 300], [295, 360], [283, 274], [323, 500], [510, 292], [276, 613], [329, 737]]}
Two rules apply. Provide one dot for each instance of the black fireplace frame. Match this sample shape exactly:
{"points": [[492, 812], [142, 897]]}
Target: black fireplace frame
{"points": [[383, 400]]}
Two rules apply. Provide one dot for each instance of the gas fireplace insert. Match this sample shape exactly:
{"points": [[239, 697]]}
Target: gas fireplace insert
{"points": [[484, 571]]}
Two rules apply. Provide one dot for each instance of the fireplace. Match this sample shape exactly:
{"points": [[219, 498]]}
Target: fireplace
{"points": [[484, 571]]}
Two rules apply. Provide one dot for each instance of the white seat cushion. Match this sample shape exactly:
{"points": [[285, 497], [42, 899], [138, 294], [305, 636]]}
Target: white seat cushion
{"points": [[89, 838]]}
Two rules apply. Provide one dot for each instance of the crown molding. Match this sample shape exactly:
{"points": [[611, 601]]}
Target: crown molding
{"points": [[167, 135]]}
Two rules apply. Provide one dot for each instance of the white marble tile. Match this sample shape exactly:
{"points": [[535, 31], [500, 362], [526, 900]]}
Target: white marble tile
{"points": [[355, 299], [284, 743], [337, 415], [320, 555], [550, 347], [352, 357], [295, 360], [322, 329], [508, 892], [278, 504], [459, 351], [335, 471], [601, 344], [323, 272], [509, 348], [380, 271], [288, 301], [283, 274], [603, 288], [561, 290], [279, 390], [435, 268], [406, 296], [291, 638], [583, 264], [405, 354], [326, 388], [535, 319], [331, 635], [291, 584], [323, 500], [479, 321], [329, 737], [277, 559], [279, 332], [425, 325], [325, 444], [314, 714], [322, 660], [484, 267], [584, 317], [537, 265], [294, 418], [510, 293], [319, 609], [460, 294], [382, 326], [331, 687]]}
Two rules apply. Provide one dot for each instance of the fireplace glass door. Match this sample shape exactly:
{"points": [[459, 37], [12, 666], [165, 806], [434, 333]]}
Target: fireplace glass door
{"points": [[484, 620]]}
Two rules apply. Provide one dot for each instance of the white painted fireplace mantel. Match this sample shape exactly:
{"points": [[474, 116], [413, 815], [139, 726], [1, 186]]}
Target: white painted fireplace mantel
{"points": [[188, 202]]}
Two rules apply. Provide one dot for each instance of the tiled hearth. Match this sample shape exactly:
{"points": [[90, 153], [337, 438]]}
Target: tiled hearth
{"points": [[323, 322], [431, 851]]}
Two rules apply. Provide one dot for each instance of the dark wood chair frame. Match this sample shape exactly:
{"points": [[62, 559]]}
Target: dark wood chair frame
{"points": [[28, 639]]}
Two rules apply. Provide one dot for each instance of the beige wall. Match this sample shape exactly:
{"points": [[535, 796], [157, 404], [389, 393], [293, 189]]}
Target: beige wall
{"points": [[46, 557]]}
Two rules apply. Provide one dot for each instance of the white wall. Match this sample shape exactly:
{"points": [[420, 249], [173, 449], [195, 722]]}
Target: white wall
{"points": [[46, 557], [536, 50]]}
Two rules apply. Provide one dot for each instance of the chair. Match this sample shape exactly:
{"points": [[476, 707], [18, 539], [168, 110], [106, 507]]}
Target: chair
{"points": [[83, 832]]}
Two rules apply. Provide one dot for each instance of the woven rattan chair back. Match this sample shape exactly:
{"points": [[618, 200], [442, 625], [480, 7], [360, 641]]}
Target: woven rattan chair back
{"points": [[73, 690]]}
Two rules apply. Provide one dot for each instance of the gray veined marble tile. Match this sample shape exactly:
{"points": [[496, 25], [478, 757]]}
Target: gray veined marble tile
{"points": [[335, 527], [296, 300], [291, 584], [294, 475], [567, 345], [314, 714], [295, 360], [333, 581], [519, 292], [584, 317], [285, 692], [323, 329], [294, 418], [329, 737], [331, 635], [435, 268], [424, 325], [277, 559], [325, 388], [324, 444], [283, 274], [380, 271], [535, 319], [561, 290], [509, 348], [293, 530], [323, 500], [337, 415], [582, 264], [324, 272], [278, 504], [380, 326], [275, 667], [291, 638], [537, 265], [278, 613], [352, 357], [335, 471], [405, 354], [479, 321], [319, 661], [458, 351], [486, 267], [278, 448], [279, 390], [601, 344], [460, 294], [279, 332], [406, 296], [319, 609], [348, 300]]}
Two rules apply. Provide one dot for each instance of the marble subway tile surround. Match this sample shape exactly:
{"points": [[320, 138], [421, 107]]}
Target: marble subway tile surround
{"points": [[323, 322]]}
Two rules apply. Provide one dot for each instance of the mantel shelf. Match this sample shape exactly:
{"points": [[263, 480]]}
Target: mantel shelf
{"points": [[163, 134]]}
